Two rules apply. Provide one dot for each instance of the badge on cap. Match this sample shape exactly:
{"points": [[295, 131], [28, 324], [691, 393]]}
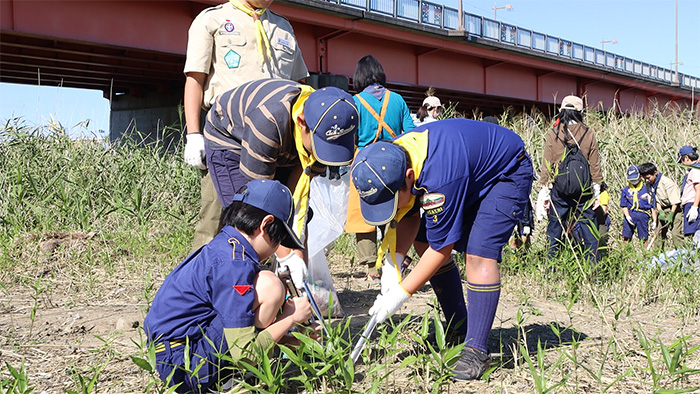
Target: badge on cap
{"points": [[336, 132], [367, 193]]}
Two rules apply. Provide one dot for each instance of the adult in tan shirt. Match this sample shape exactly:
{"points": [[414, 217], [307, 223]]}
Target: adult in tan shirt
{"points": [[228, 45], [563, 212], [668, 199]]}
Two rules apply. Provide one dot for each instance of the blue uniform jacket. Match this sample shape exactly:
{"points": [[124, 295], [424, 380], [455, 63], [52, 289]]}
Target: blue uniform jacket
{"points": [[216, 280]]}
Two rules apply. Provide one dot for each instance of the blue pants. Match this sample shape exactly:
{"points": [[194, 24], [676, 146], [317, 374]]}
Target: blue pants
{"points": [[224, 167], [564, 213], [641, 223], [201, 351]]}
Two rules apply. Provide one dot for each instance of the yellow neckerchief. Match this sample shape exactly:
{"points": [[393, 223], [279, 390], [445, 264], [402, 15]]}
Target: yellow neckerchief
{"points": [[301, 190], [635, 194], [417, 146], [263, 41]]}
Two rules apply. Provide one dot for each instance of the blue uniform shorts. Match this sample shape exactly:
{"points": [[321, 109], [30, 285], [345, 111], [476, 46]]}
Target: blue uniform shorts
{"points": [[641, 223], [490, 221], [170, 356], [689, 228]]}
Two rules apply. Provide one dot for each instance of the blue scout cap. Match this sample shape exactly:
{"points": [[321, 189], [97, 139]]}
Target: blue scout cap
{"points": [[633, 174], [685, 150], [274, 198], [378, 172], [332, 119]]}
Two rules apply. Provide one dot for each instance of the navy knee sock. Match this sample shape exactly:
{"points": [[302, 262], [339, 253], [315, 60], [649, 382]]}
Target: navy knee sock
{"points": [[482, 301], [447, 285]]}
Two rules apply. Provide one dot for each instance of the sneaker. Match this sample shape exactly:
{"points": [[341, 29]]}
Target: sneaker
{"points": [[472, 364]]}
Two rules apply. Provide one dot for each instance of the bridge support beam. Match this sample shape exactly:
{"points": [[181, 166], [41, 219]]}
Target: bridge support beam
{"points": [[149, 117]]}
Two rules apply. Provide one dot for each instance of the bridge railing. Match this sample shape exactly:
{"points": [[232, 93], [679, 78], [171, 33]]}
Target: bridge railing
{"points": [[438, 15]]}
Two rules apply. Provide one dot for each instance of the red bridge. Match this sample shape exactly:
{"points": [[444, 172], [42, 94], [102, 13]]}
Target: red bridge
{"points": [[134, 52]]}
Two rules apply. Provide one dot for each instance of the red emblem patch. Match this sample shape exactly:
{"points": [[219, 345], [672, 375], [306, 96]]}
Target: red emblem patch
{"points": [[242, 289]]}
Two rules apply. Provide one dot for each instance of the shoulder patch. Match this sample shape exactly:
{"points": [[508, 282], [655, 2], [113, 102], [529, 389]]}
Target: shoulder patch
{"points": [[432, 202]]}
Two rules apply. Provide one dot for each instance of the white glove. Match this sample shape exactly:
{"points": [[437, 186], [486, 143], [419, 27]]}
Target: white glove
{"points": [[542, 205], [653, 225], [596, 190], [692, 214], [297, 268], [194, 151], [629, 220], [387, 304], [391, 276], [526, 230]]}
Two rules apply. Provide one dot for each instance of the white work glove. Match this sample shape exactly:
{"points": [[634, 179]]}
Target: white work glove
{"points": [[629, 220], [297, 268], [526, 230], [596, 190], [194, 151], [542, 205], [692, 214], [653, 225], [391, 276], [387, 304]]}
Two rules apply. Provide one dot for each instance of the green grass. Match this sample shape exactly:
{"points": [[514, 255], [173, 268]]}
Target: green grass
{"points": [[82, 220]]}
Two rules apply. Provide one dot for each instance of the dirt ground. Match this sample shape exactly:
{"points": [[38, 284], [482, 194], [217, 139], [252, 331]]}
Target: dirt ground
{"points": [[73, 327]]}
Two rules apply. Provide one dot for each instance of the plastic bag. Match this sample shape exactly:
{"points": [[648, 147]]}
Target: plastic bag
{"points": [[681, 259], [328, 199]]}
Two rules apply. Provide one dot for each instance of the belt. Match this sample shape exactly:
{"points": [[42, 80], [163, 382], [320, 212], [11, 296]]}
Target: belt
{"points": [[175, 343]]}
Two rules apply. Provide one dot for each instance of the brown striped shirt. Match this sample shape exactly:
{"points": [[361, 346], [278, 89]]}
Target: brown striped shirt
{"points": [[254, 120]]}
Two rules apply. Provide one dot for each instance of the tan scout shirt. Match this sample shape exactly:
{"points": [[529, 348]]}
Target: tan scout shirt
{"points": [[554, 149], [222, 43], [667, 193]]}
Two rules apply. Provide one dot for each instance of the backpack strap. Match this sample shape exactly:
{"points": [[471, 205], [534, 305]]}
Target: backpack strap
{"points": [[381, 124], [572, 136]]}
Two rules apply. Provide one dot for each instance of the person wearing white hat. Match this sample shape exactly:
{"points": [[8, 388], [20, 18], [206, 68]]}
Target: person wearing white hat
{"points": [[564, 211], [429, 111]]}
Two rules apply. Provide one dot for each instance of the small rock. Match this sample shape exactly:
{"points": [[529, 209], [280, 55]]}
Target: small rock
{"points": [[122, 324]]}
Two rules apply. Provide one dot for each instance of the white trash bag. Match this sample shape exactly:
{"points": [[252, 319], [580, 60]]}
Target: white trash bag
{"points": [[329, 201]]}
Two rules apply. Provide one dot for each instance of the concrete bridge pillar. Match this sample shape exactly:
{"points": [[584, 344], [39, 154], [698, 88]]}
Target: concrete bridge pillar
{"points": [[154, 116]]}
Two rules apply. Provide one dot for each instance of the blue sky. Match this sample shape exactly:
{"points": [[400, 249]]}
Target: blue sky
{"points": [[644, 30]]}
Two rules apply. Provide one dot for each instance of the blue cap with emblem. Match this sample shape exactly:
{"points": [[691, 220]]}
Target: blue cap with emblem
{"points": [[378, 172], [274, 198], [332, 119], [633, 174]]}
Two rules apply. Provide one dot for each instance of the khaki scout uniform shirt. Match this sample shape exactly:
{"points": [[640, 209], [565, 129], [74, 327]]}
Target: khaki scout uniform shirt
{"points": [[222, 43], [667, 193]]}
